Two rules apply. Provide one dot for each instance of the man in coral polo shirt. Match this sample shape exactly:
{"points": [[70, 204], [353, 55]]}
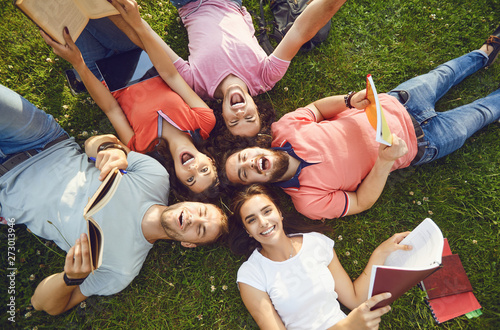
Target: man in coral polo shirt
{"points": [[325, 155]]}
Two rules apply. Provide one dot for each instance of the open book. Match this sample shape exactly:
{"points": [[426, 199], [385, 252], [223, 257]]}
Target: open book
{"points": [[53, 15], [100, 198], [404, 269], [375, 114]]}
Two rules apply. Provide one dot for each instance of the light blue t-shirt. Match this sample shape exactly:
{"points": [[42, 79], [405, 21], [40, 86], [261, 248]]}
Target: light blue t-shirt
{"points": [[55, 186]]}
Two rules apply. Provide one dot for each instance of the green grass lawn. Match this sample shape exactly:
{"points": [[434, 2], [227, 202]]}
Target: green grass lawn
{"points": [[181, 288]]}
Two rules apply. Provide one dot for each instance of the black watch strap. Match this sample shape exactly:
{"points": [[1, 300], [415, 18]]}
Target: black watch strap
{"points": [[109, 145], [73, 281]]}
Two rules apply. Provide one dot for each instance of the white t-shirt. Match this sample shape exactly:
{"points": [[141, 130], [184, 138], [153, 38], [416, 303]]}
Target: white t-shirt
{"points": [[302, 288], [222, 42], [55, 186]]}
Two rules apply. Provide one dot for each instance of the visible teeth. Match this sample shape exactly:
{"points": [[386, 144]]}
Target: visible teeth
{"points": [[268, 231], [188, 161], [238, 104], [261, 161]]}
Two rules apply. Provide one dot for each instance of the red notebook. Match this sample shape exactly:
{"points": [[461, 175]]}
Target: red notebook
{"points": [[449, 291]]}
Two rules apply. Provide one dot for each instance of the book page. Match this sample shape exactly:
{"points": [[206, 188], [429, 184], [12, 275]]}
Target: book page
{"points": [[104, 193], [97, 8], [375, 114], [427, 242]]}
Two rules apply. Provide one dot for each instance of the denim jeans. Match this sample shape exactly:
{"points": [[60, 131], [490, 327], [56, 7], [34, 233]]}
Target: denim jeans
{"points": [[101, 38], [23, 126], [447, 131]]}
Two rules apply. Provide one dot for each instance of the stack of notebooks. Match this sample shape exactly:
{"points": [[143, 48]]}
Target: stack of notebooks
{"points": [[449, 292]]}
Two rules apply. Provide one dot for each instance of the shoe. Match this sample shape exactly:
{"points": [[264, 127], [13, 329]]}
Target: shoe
{"points": [[493, 41], [75, 83]]}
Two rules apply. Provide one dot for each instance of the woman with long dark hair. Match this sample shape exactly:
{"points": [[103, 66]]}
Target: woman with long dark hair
{"points": [[294, 280]]}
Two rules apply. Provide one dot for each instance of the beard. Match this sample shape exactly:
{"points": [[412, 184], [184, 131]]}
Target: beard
{"points": [[280, 165]]}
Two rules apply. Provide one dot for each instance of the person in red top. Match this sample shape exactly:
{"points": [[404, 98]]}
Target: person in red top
{"points": [[164, 108]]}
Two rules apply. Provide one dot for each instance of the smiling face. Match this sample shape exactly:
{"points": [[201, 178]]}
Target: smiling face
{"points": [[192, 223], [255, 165], [195, 169], [240, 112], [262, 219]]}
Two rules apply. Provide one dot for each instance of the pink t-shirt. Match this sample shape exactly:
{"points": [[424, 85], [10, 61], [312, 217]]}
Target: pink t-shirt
{"points": [[343, 150], [222, 42]]}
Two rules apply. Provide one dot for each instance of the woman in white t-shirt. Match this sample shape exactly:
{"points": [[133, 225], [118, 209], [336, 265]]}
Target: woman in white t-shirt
{"points": [[293, 281]]}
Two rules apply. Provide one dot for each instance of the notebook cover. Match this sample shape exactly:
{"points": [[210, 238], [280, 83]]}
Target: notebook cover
{"points": [[449, 279]]}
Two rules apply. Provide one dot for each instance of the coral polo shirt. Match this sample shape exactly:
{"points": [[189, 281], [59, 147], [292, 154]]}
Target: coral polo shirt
{"points": [[342, 151]]}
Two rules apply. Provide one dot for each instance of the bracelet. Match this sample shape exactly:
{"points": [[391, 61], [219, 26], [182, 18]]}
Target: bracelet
{"points": [[347, 99], [73, 281], [109, 145]]}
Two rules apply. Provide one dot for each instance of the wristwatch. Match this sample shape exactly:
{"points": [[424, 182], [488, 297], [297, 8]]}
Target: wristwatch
{"points": [[73, 281], [109, 145]]}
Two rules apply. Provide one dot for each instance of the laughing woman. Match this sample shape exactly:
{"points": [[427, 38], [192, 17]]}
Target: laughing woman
{"points": [[293, 277], [162, 109]]}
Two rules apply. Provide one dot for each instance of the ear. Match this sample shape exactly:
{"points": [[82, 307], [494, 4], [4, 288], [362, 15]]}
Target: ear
{"points": [[188, 245]]}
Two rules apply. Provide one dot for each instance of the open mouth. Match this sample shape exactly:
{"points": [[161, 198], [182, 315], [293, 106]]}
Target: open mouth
{"points": [[269, 231], [263, 164], [237, 100], [181, 219], [186, 158]]}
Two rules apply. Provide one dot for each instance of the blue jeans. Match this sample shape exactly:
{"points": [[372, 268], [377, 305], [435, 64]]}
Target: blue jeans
{"points": [[23, 126], [101, 38], [447, 131]]}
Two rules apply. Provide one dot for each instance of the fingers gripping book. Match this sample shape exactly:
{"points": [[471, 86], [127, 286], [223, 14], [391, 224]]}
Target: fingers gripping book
{"points": [[100, 198]]}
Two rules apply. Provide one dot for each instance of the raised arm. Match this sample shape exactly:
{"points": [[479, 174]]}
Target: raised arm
{"points": [[260, 307], [97, 90], [331, 106], [155, 47], [114, 155], [354, 295], [52, 295], [305, 27]]}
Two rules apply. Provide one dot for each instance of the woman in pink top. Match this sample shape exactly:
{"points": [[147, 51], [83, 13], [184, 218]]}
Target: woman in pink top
{"points": [[226, 61], [194, 169]]}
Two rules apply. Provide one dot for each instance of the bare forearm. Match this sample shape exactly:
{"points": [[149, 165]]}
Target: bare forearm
{"points": [[93, 143], [372, 186], [159, 52], [330, 106], [52, 295], [99, 93]]}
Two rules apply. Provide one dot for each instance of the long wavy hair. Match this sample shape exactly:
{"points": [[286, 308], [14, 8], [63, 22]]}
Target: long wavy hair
{"points": [[161, 153], [239, 241]]}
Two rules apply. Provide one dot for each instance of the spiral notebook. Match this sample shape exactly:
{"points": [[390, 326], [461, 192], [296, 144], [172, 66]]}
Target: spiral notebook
{"points": [[449, 292]]}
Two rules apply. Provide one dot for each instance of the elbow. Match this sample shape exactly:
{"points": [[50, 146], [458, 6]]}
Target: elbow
{"points": [[37, 305]]}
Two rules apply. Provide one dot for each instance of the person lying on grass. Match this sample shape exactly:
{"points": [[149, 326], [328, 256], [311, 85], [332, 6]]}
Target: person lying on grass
{"points": [[46, 182], [326, 158], [225, 59], [293, 278], [163, 107]]}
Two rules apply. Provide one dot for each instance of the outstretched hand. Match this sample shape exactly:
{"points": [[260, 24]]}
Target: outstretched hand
{"points": [[362, 317], [129, 10], [69, 52], [78, 263]]}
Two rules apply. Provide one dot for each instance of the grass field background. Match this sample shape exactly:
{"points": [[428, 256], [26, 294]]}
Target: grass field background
{"points": [[183, 289]]}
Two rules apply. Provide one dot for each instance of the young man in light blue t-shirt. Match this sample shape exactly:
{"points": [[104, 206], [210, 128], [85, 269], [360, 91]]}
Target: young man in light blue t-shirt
{"points": [[45, 183]]}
